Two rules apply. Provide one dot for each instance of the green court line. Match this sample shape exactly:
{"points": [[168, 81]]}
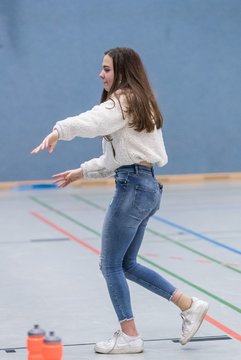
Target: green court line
{"points": [[154, 232], [231, 306], [191, 284], [63, 215], [89, 202], [167, 238]]}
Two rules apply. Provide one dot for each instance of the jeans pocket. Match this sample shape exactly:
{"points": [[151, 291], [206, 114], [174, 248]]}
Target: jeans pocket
{"points": [[121, 178], [145, 199]]}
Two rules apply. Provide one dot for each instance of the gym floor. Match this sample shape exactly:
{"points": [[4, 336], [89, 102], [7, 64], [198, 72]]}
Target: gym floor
{"points": [[49, 270]]}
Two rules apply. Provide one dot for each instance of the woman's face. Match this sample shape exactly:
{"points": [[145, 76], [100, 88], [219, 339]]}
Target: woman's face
{"points": [[107, 72]]}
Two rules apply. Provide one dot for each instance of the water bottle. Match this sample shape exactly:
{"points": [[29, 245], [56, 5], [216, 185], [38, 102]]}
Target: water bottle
{"points": [[35, 343], [52, 347]]}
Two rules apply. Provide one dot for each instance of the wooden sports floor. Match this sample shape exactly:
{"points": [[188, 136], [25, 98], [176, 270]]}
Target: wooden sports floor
{"points": [[49, 270]]}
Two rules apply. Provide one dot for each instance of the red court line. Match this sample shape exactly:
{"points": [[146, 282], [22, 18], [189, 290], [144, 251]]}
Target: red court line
{"points": [[208, 318], [62, 231], [224, 328]]}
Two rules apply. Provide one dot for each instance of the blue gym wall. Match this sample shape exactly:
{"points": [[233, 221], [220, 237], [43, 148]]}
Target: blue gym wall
{"points": [[50, 58]]}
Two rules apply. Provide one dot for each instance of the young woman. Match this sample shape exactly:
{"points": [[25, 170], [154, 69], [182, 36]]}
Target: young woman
{"points": [[130, 123]]}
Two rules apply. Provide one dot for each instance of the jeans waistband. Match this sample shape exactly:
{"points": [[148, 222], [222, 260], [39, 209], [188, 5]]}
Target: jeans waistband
{"points": [[135, 168]]}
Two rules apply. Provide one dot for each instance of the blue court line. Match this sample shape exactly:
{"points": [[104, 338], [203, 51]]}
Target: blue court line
{"points": [[229, 248]]}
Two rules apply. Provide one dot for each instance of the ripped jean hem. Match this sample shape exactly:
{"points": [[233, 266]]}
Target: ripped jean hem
{"points": [[132, 318], [171, 297]]}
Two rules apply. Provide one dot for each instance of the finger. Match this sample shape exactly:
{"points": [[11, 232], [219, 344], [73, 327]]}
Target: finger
{"points": [[59, 181], [44, 144], [57, 178], [36, 150], [56, 181], [51, 148], [65, 173]]}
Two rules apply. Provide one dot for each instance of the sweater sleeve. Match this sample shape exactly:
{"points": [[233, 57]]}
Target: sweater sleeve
{"points": [[95, 168], [101, 120]]}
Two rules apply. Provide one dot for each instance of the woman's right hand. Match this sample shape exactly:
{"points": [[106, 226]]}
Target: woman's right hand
{"points": [[49, 142], [67, 177]]}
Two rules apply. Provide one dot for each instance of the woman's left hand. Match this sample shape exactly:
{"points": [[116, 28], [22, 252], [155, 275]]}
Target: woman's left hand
{"points": [[67, 177]]}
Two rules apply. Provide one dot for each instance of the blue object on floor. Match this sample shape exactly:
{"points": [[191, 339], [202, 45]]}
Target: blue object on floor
{"points": [[35, 187]]}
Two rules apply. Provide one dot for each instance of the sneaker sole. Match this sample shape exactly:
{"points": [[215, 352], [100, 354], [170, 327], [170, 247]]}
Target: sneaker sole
{"points": [[120, 351], [195, 328]]}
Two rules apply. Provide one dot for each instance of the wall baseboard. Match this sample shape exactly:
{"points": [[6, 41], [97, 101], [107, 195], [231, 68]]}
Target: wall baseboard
{"points": [[181, 178]]}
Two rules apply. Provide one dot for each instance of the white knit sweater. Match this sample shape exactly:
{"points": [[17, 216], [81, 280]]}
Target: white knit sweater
{"points": [[130, 146]]}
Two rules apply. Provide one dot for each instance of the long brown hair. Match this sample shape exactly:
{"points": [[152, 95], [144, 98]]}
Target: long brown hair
{"points": [[130, 79]]}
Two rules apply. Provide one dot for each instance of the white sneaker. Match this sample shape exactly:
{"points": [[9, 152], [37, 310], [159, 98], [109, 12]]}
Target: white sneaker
{"points": [[192, 319], [120, 343]]}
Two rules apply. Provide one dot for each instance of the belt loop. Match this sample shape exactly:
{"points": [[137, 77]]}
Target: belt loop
{"points": [[136, 169], [152, 171]]}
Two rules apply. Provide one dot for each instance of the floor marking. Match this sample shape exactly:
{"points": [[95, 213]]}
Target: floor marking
{"points": [[152, 254], [176, 258], [229, 264], [62, 214], [201, 261], [49, 239], [165, 237], [89, 202], [94, 250], [222, 327], [233, 307], [62, 231], [215, 242], [186, 247], [175, 340]]}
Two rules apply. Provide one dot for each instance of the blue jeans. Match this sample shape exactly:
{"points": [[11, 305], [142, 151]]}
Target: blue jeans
{"points": [[136, 199]]}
